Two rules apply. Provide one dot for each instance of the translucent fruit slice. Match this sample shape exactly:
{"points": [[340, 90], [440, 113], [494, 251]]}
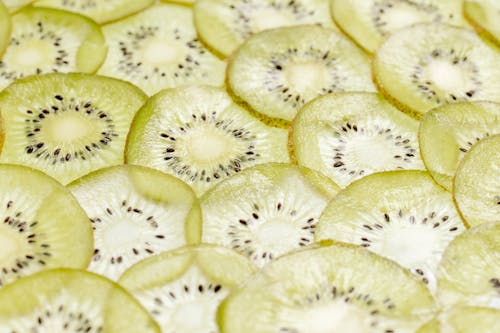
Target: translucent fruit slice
{"points": [[65, 300], [477, 183], [201, 136], [347, 136], [15, 5], [135, 212], [5, 27], [485, 17], [428, 65], [328, 290], [42, 226], [402, 215], [277, 71], [182, 289], [465, 319], [448, 132]]}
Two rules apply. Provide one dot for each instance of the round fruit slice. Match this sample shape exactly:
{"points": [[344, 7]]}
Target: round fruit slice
{"points": [[401, 215], [5, 27], [64, 125], [65, 300], [182, 289], [477, 183], [327, 290], [42, 226], [278, 71], [49, 40], [135, 212], [485, 17], [158, 48], [465, 319], [428, 65], [448, 132], [15, 5], [201, 136], [347, 136]]}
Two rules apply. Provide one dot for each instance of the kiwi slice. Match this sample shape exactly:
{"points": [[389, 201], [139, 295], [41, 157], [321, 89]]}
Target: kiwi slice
{"points": [[448, 132], [477, 183], [42, 226], [277, 71], [68, 300], [465, 319], [428, 65], [182, 289], [200, 135], [15, 5], [402, 215], [158, 48], [68, 128], [5, 27], [484, 15], [350, 135]]}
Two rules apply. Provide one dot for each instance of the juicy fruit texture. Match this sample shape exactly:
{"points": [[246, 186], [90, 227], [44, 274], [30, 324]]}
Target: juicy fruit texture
{"points": [[448, 132], [200, 135], [15, 5], [68, 128], [42, 226], [269, 210], [277, 71], [135, 213], [71, 301], [401, 215], [182, 289], [158, 49], [485, 17], [5, 27], [465, 319], [429, 65], [347, 136], [327, 290], [477, 183], [49, 40], [225, 24]]}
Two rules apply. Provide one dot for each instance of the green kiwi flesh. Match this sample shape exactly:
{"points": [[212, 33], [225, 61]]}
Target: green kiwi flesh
{"points": [[15, 5], [464, 319], [5, 27], [484, 15]]}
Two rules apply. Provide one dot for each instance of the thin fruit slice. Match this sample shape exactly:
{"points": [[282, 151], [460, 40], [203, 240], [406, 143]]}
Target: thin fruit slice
{"points": [[465, 319], [66, 300], [49, 40], [351, 135], [182, 289], [402, 215], [64, 125], [201, 136], [484, 15], [42, 226], [158, 48], [277, 71], [428, 65], [269, 210], [448, 132], [5, 27], [15, 5], [135, 212], [477, 183], [327, 289]]}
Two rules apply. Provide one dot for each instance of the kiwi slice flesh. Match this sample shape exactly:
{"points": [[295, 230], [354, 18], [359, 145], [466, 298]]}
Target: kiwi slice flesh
{"points": [[448, 132], [477, 182], [279, 70], [200, 135], [68, 300], [428, 65], [158, 48], [402, 215], [351, 135], [42, 226], [15, 5], [5, 27], [465, 319], [484, 15], [183, 288]]}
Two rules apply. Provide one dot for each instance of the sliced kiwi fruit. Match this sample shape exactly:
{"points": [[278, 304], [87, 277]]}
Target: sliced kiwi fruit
{"points": [[5, 27], [350, 135], [41, 225], [279, 70], [402, 215], [448, 132], [477, 183], [15, 5], [183, 288], [64, 125], [158, 48], [200, 135], [428, 65], [68, 300], [484, 15], [466, 319]]}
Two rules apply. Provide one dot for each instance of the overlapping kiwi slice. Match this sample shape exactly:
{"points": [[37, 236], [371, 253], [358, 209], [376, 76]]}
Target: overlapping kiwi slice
{"points": [[448, 132], [347, 136], [485, 17], [182, 289], [15, 5], [277, 71], [428, 65], [5, 27], [465, 319]]}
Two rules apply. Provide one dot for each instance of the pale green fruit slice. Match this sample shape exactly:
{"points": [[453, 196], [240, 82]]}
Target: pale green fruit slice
{"points": [[5, 27], [464, 320], [15, 5], [485, 17]]}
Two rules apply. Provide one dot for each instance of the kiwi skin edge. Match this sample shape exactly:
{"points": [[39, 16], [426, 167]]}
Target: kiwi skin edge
{"points": [[487, 36]]}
